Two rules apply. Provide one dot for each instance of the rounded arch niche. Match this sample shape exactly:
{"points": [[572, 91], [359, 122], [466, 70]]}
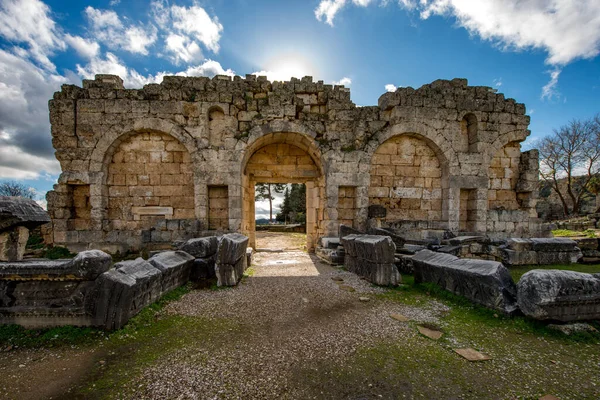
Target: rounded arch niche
{"points": [[148, 177], [283, 157], [408, 176]]}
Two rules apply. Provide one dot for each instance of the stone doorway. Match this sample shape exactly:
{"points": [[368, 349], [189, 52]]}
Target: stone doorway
{"points": [[283, 158]]}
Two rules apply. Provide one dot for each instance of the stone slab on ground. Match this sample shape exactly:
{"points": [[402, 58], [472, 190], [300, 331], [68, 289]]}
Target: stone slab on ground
{"points": [[372, 257], [201, 247], [559, 295], [399, 317], [472, 354], [87, 265], [175, 266], [122, 292], [484, 282], [430, 333], [231, 259]]}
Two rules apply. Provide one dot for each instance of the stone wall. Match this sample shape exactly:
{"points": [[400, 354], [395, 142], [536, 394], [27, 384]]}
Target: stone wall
{"points": [[440, 139]]}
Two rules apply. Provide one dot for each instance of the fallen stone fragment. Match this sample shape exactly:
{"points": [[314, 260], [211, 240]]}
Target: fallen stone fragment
{"points": [[399, 317], [372, 257], [559, 295], [201, 247], [364, 299], [430, 333], [472, 354], [347, 288], [569, 329], [337, 279], [484, 282], [231, 259]]}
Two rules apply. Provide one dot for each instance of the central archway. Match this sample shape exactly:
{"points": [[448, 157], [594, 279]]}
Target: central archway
{"points": [[283, 157]]}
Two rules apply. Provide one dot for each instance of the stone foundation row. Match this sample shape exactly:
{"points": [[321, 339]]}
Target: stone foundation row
{"points": [[89, 291]]}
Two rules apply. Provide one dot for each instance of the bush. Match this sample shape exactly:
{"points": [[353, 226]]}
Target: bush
{"points": [[56, 252]]}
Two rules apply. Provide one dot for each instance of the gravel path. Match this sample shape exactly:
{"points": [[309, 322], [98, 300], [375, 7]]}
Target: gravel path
{"points": [[291, 314]]}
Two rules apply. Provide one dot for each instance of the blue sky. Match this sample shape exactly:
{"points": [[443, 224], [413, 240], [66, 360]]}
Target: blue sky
{"points": [[543, 53]]}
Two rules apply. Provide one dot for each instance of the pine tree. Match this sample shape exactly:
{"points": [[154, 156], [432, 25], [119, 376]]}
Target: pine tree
{"points": [[265, 191], [285, 206]]}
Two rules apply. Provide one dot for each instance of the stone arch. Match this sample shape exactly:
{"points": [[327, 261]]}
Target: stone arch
{"points": [[502, 140], [469, 132], [117, 133], [104, 152], [438, 143], [273, 155], [408, 177]]}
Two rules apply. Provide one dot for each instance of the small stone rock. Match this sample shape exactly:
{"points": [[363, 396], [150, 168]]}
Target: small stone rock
{"points": [[347, 288], [364, 299], [472, 354], [337, 279], [399, 317], [21, 365], [430, 333], [304, 299], [568, 329]]}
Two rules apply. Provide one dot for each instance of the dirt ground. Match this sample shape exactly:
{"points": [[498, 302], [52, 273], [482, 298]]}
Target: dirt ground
{"points": [[297, 328]]}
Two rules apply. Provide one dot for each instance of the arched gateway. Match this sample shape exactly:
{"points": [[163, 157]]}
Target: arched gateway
{"points": [[143, 168]]}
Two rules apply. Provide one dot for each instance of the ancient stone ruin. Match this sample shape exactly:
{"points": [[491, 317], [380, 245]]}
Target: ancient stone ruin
{"points": [[142, 168], [17, 216]]}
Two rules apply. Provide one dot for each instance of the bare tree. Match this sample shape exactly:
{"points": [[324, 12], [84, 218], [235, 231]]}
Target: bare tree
{"points": [[14, 188], [569, 160]]}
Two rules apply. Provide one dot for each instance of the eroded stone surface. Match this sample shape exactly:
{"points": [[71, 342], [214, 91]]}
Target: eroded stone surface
{"points": [[231, 259], [372, 257], [485, 282], [559, 295]]}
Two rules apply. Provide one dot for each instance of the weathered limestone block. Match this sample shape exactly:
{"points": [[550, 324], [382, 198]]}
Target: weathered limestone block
{"points": [[398, 240], [484, 282], [19, 211], [203, 269], [13, 242], [540, 251], [372, 257], [201, 247], [231, 259], [559, 295], [87, 265], [121, 293], [45, 293], [175, 267], [17, 216], [346, 230]]}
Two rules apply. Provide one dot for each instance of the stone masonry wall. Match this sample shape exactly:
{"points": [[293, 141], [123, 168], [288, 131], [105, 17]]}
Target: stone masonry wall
{"points": [[218, 124]]}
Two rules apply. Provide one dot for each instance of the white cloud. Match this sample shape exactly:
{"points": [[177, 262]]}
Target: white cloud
{"points": [[329, 8], [390, 87], [196, 22], [550, 91], [345, 81], [183, 49], [111, 64], [28, 22], [106, 26], [114, 3], [85, 48], [209, 68], [567, 30], [497, 82]]}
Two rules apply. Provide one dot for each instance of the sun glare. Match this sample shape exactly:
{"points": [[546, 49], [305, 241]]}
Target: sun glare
{"points": [[289, 66]]}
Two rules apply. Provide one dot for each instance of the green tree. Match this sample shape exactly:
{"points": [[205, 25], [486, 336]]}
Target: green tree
{"points": [[266, 191], [285, 206]]}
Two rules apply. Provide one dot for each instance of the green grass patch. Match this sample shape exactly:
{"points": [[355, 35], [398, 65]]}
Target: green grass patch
{"points": [[518, 272], [569, 233], [58, 252]]}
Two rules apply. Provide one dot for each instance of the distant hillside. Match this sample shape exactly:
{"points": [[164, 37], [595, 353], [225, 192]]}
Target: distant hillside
{"points": [[262, 221]]}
